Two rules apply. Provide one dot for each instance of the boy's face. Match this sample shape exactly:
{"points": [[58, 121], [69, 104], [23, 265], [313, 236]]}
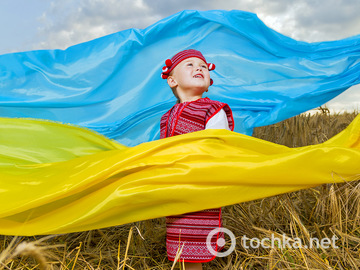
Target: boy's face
{"points": [[191, 75]]}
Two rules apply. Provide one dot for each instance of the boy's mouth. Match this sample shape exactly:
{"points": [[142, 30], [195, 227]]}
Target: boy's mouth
{"points": [[199, 76]]}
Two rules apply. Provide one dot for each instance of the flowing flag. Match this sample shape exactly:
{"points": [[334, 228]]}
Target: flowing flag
{"points": [[112, 84], [64, 179], [104, 166]]}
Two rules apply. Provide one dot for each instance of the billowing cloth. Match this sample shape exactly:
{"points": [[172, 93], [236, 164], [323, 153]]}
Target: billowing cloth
{"points": [[113, 86], [57, 178]]}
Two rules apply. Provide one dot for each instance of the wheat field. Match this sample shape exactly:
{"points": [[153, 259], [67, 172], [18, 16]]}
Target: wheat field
{"points": [[322, 212]]}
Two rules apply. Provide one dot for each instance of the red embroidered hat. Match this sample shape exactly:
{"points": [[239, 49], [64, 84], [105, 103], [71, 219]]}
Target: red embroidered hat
{"points": [[170, 64]]}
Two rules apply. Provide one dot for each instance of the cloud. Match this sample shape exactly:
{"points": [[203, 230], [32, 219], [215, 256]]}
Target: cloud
{"points": [[347, 101], [307, 20], [327, 20], [69, 22]]}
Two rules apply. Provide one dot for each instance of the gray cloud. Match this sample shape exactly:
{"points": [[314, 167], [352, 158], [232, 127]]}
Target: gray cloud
{"points": [[347, 101], [327, 20], [70, 22], [74, 21], [307, 20]]}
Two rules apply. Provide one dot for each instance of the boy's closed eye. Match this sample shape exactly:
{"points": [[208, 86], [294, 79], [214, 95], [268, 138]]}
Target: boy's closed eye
{"points": [[202, 66]]}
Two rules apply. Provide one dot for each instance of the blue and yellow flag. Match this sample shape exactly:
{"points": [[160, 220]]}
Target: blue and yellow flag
{"points": [[105, 166]]}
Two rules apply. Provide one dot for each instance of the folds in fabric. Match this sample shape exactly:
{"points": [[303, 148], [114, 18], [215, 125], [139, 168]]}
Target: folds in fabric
{"points": [[112, 84], [75, 179]]}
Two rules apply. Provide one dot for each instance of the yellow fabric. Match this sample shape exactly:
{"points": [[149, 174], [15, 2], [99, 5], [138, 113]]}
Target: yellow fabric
{"points": [[57, 178]]}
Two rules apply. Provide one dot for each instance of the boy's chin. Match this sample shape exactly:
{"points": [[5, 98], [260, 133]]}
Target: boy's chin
{"points": [[200, 91], [196, 91], [201, 88]]}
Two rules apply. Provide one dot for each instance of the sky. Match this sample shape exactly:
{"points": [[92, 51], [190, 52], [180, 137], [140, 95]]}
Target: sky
{"points": [[45, 24]]}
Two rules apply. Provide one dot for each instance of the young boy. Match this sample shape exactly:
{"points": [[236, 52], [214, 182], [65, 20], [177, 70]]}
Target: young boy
{"points": [[188, 76]]}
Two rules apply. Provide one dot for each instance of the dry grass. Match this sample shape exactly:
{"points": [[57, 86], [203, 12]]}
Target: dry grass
{"points": [[306, 129], [319, 212]]}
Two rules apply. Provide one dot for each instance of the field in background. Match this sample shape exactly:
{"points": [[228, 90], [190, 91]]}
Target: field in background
{"points": [[318, 212]]}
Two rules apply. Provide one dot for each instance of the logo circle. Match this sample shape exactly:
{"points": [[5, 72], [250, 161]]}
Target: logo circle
{"points": [[220, 242]]}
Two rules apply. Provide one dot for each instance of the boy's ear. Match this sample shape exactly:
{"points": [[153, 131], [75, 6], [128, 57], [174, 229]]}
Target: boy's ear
{"points": [[171, 82]]}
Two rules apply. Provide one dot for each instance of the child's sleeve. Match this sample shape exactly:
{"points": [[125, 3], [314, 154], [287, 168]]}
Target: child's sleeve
{"points": [[218, 121]]}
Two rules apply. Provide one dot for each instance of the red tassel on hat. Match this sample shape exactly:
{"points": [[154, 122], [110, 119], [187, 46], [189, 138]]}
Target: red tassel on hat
{"points": [[168, 63]]}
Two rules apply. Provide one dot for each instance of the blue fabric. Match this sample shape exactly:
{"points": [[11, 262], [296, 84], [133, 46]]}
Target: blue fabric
{"points": [[112, 84]]}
